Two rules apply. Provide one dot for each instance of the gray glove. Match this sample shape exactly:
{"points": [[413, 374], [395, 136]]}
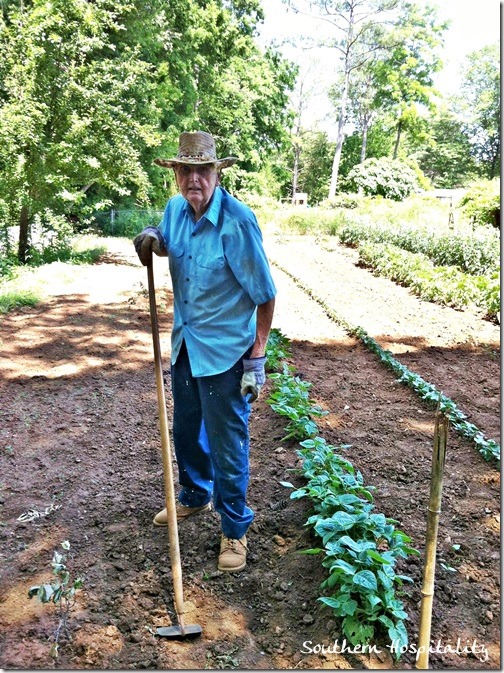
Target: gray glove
{"points": [[149, 240], [254, 377]]}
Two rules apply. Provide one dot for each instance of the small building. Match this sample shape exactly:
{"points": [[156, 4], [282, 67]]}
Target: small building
{"points": [[301, 199]]}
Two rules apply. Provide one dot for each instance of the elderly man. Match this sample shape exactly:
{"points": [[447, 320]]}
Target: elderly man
{"points": [[224, 299]]}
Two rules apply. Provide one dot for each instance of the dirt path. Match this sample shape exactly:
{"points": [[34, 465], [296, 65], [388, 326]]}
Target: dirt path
{"points": [[79, 431]]}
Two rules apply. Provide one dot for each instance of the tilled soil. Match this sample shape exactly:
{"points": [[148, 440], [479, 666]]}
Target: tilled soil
{"points": [[79, 433]]}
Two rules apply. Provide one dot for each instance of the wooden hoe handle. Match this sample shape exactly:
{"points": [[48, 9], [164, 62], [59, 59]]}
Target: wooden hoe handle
{"points": [[166, 454]]}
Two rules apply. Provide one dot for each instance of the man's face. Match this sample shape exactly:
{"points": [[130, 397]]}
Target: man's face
{"points": [[197, 185]]}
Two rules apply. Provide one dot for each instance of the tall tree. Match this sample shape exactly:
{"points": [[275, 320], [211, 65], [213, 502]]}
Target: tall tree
{"points": [[405, 74], [445, 157], [355, 25], [480, 107], [315, 165], [69, 113], [300, 100], [91, 91]]}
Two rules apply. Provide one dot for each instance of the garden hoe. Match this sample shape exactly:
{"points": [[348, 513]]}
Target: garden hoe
{"points": [[182, 630]]}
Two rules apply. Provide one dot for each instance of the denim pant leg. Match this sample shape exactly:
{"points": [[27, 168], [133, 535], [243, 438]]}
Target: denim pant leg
{"points": [[225, 415], [189, 436]]}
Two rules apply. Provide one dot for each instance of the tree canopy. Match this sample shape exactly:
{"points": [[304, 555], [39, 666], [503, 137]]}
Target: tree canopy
{"points": [[91, 92]]}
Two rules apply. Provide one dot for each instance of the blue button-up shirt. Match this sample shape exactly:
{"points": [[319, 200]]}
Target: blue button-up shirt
{"points": [[220, 275]]}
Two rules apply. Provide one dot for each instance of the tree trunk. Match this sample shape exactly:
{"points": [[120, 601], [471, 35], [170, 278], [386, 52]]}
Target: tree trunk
{"points": [[364, 142], [295, 173], [339, 140], [493, 165], [24, 231], [398, 138]]}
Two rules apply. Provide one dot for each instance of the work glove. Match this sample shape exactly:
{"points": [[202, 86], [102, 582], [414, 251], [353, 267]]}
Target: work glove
{"points": [[149, 240], [254, 377]]}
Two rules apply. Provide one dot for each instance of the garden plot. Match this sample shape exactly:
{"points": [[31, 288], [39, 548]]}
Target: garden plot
{"points": [[79, 429]]}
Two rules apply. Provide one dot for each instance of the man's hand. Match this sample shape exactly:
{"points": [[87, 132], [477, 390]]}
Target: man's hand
{"points": [[149, 240], [254, 377]]}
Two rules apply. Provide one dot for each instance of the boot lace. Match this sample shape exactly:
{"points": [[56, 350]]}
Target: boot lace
{"points": [[230, 544]]}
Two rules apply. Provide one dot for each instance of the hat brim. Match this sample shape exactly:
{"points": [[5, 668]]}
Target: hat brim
{"points": [[171, 163]]}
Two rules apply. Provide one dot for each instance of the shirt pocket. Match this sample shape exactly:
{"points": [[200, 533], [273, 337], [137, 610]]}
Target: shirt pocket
{"points": [[210, 272], [176, 259]]}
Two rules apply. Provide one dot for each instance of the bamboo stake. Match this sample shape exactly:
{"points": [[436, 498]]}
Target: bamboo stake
{"points": [[436, 487]]}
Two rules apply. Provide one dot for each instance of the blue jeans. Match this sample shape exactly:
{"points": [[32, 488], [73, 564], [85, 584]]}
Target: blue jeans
{"points": [[211, 441]]}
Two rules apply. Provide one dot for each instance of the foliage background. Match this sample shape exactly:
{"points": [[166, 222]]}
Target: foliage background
{"points": [[92, 92]]}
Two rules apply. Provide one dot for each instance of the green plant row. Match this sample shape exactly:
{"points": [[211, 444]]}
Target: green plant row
{"points": [[360, 547], [291, 399], [488, 448], [476, 253], [445, 285]]}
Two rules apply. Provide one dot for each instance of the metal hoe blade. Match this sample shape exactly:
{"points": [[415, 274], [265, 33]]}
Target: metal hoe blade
{"points": [[189, 631]]}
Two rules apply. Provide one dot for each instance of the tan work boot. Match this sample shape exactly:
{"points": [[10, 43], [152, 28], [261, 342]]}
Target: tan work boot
{"points": [[233, 554], [183, 512]]}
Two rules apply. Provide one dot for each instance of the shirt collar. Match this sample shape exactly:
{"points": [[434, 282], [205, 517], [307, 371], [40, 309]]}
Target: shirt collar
{"points": [[213, 210]]}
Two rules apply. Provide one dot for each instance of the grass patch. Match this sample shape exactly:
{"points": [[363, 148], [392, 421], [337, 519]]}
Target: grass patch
{"points": [[24, 285], [15, 298]]}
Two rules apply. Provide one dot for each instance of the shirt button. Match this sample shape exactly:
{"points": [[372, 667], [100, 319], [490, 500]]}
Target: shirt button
{"points": [[185, 301], [190, 256], [187, 278], [185, 323], [193, 234]]}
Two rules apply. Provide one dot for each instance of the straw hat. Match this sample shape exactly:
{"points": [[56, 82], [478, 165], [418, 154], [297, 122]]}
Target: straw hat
{"points": [[196, 148]]}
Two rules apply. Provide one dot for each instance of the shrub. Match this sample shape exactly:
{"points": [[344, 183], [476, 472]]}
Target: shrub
{"points": [[481, 203], [126, 223], [315, 220], [265, 208], [342, 201], [385, 177]]}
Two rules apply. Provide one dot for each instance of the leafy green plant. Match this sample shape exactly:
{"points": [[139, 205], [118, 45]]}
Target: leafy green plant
{"points": [[481, 202], [277, 350], [488, 448], [475, 253], [342, 201], [361, 547], [314, 220], [442, 284], [290, 398], [61, 592], [386, 177]]}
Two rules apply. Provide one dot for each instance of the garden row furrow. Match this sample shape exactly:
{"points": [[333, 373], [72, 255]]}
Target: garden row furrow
{"points": [[360, 546], [488, 448]]}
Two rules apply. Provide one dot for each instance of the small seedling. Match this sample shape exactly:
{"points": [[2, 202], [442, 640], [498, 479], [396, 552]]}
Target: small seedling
{"points": [[60, 591]]}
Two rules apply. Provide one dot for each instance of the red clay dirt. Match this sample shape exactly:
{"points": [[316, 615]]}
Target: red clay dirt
{"points": [[79, 433]]}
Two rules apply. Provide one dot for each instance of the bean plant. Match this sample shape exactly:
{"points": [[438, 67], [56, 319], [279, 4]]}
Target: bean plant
{"points": [[476, 253], [442, 284], [277, 351], [361, 547], [61, 592], [291, 399], [488, 448]]}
